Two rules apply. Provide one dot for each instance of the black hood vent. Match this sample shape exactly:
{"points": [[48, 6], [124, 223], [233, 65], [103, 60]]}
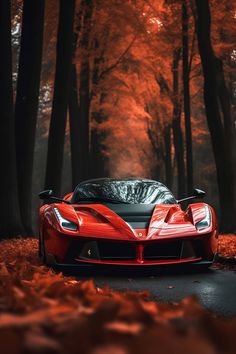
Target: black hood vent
{"points": [[138, 216]]}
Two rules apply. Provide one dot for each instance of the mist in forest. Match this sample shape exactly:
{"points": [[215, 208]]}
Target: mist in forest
{"points": [[114, 88]]}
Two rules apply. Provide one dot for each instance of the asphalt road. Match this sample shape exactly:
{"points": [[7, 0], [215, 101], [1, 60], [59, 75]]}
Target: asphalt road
{"points": [[215, 289]]}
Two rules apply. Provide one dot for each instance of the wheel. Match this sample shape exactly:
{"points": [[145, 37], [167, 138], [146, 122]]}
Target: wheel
{"points": [[39, 247], [202, 267], [42, 255]]}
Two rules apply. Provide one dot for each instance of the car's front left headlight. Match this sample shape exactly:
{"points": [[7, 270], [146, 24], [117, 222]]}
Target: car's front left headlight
{"points": [[66, 224], [206, 221]]}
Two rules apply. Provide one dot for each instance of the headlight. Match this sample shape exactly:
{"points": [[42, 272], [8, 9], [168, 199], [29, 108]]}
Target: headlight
{"points": [[66, 224], [206, 221]]}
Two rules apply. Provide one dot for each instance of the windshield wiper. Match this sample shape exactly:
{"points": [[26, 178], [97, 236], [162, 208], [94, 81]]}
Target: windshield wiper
{"points": [[106, 200]]}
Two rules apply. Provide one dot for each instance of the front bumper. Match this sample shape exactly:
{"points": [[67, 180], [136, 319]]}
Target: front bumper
{"points": [[100, 268], [97, 252]]}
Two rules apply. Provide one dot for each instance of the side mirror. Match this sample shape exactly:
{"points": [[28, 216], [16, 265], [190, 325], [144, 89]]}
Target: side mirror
{"points": [[47, 194], [198, 193]]}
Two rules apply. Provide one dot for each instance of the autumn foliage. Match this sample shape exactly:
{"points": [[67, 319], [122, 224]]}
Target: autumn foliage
{"points": [[46, 312], [108, 88]]}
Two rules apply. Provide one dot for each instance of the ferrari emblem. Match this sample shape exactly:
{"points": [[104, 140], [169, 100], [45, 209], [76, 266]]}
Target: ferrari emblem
{"points": [[140, 234]]}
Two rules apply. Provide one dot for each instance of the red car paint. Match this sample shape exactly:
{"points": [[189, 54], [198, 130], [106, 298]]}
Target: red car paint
{"points": [[96, 222]]}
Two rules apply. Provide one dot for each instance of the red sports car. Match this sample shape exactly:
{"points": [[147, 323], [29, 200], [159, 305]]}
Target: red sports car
{"points": [[131, 222]]}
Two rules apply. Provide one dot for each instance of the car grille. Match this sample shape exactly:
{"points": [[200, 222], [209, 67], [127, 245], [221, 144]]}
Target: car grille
{"points": [[164, 250], [116, 250], [113, 250]]}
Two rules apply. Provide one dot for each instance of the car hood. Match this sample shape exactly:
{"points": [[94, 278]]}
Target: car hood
{"points": [[97, 220]]}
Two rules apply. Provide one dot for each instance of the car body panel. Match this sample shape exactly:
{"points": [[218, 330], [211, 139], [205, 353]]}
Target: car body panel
{"points": [[99, 222], [160, 234]]}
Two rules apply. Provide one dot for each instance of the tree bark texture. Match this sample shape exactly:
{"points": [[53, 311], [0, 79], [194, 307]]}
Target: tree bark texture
{"points": [[73, 105], [10, 225], [26, 105], [98, 160], [218, 117], [60, 97], [186, 94], [84, 93], [74, 127], [176, 126], [168, 157]]}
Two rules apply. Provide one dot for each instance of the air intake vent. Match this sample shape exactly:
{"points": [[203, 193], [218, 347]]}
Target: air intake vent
{"points": [[138, 216]]}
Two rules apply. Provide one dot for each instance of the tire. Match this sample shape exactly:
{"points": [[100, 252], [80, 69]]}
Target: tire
{"points": [[205, 267], [39, 246], [201, 267], [42, 255]]}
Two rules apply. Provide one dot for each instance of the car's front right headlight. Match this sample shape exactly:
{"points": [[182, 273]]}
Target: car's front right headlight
{"points": [[66, 224], [206, 221]]}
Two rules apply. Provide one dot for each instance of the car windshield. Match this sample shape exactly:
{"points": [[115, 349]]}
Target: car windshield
{"points": [[131, 191]]}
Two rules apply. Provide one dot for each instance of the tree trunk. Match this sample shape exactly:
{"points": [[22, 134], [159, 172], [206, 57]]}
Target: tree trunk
{"points": [[167, 157], [186, 91], [10, 225], [74, 106], [84, 93], [176, 126], [74, 127], [218, 117], [60, 96], [26, 105], [229, 124], [98, 160], [158, 149], [98, 166]]}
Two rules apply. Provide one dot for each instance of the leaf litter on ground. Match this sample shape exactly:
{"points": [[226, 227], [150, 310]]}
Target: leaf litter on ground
{"points": [[42, 311]]}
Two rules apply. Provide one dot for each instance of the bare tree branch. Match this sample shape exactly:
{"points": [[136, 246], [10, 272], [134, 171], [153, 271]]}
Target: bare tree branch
{"points": [[118, 61], [192, 50], [162, 82]]}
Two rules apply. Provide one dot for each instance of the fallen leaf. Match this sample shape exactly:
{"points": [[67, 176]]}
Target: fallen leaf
{"points": [[123, 327]]}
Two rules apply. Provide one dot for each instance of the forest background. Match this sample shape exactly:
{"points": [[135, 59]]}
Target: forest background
{"points": [[96, 88]]}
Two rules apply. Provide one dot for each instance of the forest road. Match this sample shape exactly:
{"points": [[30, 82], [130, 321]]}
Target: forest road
{"points": [[215, 289]]}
